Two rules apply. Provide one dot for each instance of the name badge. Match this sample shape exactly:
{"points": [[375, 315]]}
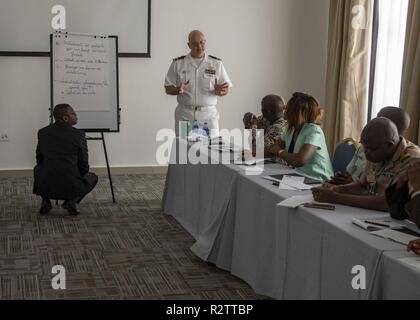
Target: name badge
{"points": [[210, 72]]}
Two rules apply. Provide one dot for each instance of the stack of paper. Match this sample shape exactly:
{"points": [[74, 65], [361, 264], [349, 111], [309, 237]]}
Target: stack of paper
{"points": [[283, 186], [296, 182], [289, 182], [376, 224], [364, 224], [296, 201], [412, 261], [251, 162], [395, 235], [254, 170]]}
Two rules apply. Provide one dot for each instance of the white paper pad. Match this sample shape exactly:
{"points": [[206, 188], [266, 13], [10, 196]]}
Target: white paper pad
{"points": [[279, 171], [283, 186], [292, 179], [296, 201], [366, 226], [412, 261], [254, 170], [371, 224], [251, 162], [394, 235], [296, 182], [391, 224]]}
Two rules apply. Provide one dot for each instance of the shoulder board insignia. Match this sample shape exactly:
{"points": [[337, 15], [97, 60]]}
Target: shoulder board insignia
{"points": [[404, 156], [216, 58], [179, 58]]}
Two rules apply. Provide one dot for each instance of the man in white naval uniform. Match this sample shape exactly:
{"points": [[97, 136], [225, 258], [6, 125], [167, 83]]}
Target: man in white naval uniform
{"points": [[197, 79]]}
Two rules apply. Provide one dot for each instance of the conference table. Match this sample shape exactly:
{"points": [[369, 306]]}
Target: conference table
{"points": [[283, 253]]}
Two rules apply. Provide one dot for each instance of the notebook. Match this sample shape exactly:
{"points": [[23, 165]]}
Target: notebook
{"points": [[401, 235], [307, 180]]}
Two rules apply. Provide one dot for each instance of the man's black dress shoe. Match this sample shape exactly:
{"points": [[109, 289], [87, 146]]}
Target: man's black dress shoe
{"points": [[45, 206], [70, 206]]}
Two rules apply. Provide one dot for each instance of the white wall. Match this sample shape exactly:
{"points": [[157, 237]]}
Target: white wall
{"points": [[267, 46]]}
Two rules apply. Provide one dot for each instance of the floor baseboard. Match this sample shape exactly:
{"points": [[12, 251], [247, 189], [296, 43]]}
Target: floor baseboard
{"points": [[97, 170]]}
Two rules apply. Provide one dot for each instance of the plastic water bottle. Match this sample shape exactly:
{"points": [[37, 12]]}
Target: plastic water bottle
{"points": [[206, 129], [195, 125]]}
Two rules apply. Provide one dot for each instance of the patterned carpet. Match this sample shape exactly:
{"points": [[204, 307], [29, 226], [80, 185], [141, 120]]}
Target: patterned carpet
{"points": [[128, 250]]}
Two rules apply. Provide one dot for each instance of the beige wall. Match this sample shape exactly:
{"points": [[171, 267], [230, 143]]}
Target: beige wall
{"points": [[267, 46]]}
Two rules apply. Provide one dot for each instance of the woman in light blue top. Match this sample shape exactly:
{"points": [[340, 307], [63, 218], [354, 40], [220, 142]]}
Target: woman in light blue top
{"points": [[303, 144]]}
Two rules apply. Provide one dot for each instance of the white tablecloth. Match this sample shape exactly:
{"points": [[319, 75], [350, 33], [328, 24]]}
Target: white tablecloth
{"points": [[282, 253]]}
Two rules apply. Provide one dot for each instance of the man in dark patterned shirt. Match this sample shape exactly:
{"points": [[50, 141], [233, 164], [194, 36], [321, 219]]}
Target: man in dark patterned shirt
{"points": [[388, 154], [271, 121], [403, 198]]}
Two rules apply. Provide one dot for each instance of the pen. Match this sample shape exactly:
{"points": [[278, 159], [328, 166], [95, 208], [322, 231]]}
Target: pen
{"points": [[377, 223], [319, 206]]}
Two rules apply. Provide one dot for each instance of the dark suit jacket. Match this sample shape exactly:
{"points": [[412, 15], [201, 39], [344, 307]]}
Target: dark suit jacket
{"points": [[62, 161], [401, 206]]}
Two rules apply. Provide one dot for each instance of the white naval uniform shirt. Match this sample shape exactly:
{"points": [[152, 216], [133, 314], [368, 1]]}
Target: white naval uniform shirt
{"points": [[200, 90]]}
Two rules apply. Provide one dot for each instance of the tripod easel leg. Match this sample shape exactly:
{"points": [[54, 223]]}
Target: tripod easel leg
{"points": [[107, 166]]}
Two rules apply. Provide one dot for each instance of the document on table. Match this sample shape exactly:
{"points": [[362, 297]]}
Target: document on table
{"points": [[397, 235], [291, 182], [279, 171], [375, 224], [296, 182], [296, 201], [283, 186], [221, 148], [412, 261], [366, 226], [252, 162], [254, 170]]}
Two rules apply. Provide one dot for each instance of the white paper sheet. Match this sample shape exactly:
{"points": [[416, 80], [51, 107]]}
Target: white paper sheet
{"points": [[394, 235], [388, 222], [254, 170], [250, 162], [296, 201], [283, 186], [412, 261], [292, 179], [366, 226], [296, 182]]}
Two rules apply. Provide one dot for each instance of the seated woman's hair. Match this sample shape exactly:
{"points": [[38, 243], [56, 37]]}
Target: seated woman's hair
{"points": [[302, 108]]}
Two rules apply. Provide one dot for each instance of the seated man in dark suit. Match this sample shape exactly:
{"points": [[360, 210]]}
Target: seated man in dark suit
{"points": [[62, 168]]}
